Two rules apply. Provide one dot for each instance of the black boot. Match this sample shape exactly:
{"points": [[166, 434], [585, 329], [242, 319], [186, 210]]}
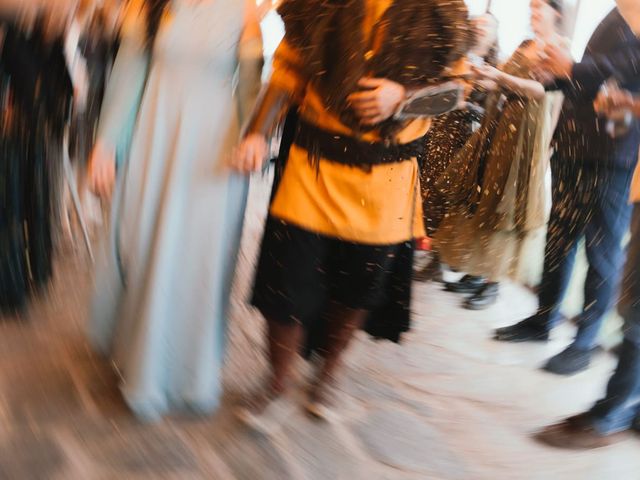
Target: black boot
{"points": [[467, 284], [527, 330], [483, 298]]}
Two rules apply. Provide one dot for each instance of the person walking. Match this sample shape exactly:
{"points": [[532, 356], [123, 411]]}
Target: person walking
{"points": [[162, 289]]}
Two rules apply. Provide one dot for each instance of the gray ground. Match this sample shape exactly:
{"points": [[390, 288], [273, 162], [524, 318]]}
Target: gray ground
{"points": [[448, 404]]}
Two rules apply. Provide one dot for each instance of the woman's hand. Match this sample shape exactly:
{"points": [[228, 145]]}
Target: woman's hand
{"points": [[497, 79], [250, 154], [377, 100], [102, 171], [486, 77], [487, 73]]}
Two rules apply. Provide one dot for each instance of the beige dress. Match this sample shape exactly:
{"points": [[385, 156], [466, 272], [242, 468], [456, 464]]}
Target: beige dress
{"points": [[495, 187]]}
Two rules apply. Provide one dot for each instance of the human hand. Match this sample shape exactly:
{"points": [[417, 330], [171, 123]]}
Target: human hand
{"points": [[378, 100], [251, 154], [556, 61], [487, 77], [611, 102], [102, 171], [487, 72]]}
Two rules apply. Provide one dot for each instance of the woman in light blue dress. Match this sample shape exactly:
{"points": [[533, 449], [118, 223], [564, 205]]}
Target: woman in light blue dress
{"points": [[186, 72]]}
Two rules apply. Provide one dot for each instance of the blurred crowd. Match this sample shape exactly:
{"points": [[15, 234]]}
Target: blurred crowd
{"points": [[398, 124], [55, 60]]}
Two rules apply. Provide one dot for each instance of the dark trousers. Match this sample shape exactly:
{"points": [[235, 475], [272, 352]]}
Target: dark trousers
{"points": [[621, 406], [590, 204]]}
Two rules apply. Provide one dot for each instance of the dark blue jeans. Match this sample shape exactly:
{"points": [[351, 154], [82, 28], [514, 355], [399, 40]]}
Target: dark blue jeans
{"points": [[621, 406], [588, 203]]}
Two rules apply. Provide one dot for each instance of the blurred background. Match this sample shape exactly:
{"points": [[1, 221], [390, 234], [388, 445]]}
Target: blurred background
{"points": [[448, 403]]}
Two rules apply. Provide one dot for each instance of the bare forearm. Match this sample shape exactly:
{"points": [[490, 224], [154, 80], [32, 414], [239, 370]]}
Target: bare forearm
{"points": [[269, 111], [521, 86]]}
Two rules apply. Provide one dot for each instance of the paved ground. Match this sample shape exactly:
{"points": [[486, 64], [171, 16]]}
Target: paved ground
{"points": [[448, 404]]}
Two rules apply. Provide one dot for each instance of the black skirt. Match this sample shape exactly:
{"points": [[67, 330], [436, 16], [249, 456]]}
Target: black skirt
{"points": [[300, 273]]}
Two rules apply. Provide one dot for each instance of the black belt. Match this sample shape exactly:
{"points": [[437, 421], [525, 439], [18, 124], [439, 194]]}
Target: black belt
{"points": [[348, 150]]}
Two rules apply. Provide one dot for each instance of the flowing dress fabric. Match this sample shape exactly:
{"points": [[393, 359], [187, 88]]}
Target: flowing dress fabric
{"points": [[163, 288], [448, 134], [494, 186]]}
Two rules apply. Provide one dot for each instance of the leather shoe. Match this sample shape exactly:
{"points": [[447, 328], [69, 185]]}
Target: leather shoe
{"points": [[569, 362], [467, 284], [525, 331], [483, 298], [573, 434]]}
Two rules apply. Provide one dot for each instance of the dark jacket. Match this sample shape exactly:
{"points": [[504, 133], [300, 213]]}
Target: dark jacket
{"points": [[581, 137], [38, 77]]}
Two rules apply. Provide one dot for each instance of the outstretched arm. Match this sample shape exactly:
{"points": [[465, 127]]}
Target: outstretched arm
{"points": [[589, 74], [520, 86], [285, 89]]}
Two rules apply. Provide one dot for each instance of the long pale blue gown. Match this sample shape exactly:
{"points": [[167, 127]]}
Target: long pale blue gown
{"points": [[163, 286]]}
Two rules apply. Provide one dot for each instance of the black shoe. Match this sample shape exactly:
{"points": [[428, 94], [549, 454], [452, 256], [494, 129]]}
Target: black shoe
{"points": [[569, 362], [525, 331], [483, 298], [467, 284]]}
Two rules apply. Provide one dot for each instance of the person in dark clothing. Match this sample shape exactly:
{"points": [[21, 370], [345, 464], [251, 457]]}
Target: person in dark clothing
{"points": [[591, 172], [36, 94], [619, 410]]}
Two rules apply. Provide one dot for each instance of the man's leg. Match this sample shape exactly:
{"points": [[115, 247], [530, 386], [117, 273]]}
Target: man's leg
{"points": [[606, 260], [342, 323], [566, 225], [604, 233], [559, 260], [620, 408]]}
